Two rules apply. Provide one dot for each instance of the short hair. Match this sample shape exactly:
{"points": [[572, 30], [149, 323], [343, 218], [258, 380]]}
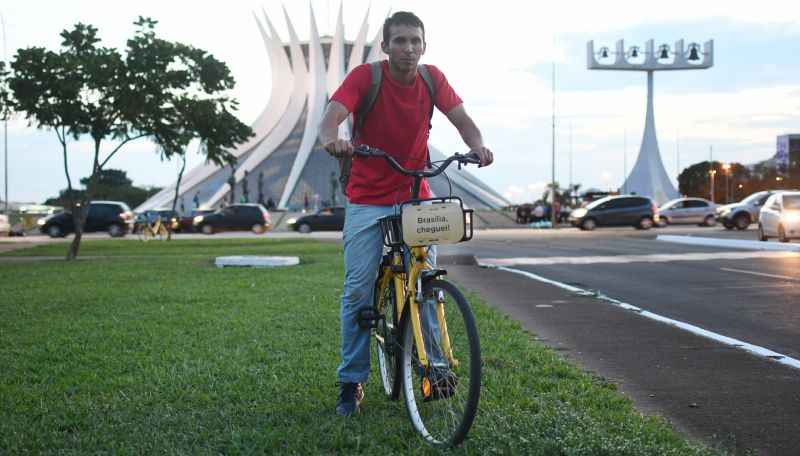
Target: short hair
{"points": [[402, 18]]}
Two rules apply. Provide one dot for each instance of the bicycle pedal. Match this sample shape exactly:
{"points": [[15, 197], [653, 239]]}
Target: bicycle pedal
{"points": [[368, 318]]}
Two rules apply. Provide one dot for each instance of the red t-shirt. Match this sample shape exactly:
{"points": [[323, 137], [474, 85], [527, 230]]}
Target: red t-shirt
{"points": [[397, 124]]}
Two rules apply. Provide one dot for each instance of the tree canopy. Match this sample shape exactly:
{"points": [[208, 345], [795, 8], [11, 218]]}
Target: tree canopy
{"points": [[112, 184], [695, 181], [167, 92], [5, 93]]}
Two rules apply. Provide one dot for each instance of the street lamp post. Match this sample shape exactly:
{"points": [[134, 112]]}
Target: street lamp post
{"points": [[727, 168], [553, 215], [648, 176], [713, 174], [5, 119]]}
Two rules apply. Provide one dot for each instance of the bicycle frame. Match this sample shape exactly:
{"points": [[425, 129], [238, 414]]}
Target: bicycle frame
{"points": [[408, 294]]}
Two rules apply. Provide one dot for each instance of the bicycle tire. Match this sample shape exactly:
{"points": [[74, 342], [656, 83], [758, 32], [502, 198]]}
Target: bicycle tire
{"points": [[388, 349], [147, 234], [444, 422], [162, 233]]}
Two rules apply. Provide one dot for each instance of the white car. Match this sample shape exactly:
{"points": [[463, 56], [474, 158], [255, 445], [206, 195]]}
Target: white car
{"points": [[780, 217], [688, 210], [5, 227]]}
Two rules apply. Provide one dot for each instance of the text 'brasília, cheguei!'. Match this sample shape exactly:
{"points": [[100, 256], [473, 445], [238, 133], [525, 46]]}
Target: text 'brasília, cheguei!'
{"points": [[433, 229]]}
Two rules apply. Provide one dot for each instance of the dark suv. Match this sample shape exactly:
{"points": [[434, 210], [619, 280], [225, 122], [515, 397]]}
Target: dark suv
{"points": [[112, 216], [636, 211], [236, 217]]}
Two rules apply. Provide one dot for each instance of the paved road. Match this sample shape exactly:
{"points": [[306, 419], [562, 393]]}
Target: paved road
{"points": [[714, 391]]}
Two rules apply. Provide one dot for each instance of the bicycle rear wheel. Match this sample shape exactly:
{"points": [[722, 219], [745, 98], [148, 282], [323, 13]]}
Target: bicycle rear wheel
{"points": [[387, 342], [442, 400]]}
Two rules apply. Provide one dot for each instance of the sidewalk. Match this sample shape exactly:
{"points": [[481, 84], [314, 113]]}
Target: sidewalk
{"points": [[711, 392]]}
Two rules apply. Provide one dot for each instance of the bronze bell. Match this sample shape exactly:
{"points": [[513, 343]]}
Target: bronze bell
{"points": [[693, 55], [603, 52], [663, 52], [634, 52]]}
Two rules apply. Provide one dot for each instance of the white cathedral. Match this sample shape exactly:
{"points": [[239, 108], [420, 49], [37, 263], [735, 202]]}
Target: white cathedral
{"points": [[284, 162]]}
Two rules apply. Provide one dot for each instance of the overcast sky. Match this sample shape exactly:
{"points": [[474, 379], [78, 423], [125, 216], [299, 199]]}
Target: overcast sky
{"points": [[498, 56]]}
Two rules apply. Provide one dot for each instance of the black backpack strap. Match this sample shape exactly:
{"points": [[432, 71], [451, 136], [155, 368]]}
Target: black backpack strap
{"points": [[428, 79], [368, 101], [363, 109]]}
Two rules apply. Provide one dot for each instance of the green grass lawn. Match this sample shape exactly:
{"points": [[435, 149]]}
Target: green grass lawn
{"points": [[148, 348]]}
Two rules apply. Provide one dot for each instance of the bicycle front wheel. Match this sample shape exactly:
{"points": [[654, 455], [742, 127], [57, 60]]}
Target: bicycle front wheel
{"points": [[387, 341], [442, 398]]}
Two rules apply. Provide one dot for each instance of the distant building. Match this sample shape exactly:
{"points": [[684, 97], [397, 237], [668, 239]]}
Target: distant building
{"points": [[787, 154]]}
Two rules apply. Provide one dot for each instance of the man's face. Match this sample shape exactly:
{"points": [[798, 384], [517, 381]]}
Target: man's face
{"points": [[405, 47]]}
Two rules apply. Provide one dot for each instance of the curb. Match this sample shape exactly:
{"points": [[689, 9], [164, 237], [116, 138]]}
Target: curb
{"points": [[731, 243]]}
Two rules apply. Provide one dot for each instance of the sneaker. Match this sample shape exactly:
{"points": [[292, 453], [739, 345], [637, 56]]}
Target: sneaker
{"points": [[440, 383], [350, 397]]}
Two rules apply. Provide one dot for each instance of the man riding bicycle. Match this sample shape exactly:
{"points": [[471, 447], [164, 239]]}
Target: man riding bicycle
{"points": [[398, 123]]}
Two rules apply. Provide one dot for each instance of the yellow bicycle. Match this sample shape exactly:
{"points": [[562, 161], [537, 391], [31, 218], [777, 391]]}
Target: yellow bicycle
{"points": [[157, 230], [425, 335]]}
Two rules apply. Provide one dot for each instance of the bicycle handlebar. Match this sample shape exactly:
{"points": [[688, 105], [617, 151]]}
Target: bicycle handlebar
{"points": [[367, 151]]}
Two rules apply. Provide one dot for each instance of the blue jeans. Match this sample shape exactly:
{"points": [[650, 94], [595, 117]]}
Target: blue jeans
{"points": [[363, 249]]}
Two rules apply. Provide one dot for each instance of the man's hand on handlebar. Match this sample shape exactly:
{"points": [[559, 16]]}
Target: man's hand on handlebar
{"points": [[484, 155], [340, 148]]}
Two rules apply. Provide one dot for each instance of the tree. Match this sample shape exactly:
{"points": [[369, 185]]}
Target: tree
{"points": [[167, 92], [5, 93], [695, 181], [112, 184], [553, 188]]}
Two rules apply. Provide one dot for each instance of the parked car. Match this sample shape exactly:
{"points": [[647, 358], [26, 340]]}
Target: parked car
{"points": [[168, 217], [236, 217], [5, 226], [740, 215], [327, 219], [780, 217], [112, 216], [186, 223], [688, 210], [636, 211]]}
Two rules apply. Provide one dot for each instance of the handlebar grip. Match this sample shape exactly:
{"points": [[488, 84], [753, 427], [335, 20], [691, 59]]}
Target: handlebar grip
{"points": [[471, 157], [366, 151]]}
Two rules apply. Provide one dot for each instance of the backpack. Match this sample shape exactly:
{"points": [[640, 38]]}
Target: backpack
{"points": [[366, 106]]}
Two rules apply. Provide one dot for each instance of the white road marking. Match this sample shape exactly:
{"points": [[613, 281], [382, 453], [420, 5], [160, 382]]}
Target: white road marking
{"points": [[748, 347], [622, 259], [774, 276], [734, 243]]}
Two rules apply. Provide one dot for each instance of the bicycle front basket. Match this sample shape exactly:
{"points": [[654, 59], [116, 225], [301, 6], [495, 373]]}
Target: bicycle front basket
{"points": [[392, 230]]}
